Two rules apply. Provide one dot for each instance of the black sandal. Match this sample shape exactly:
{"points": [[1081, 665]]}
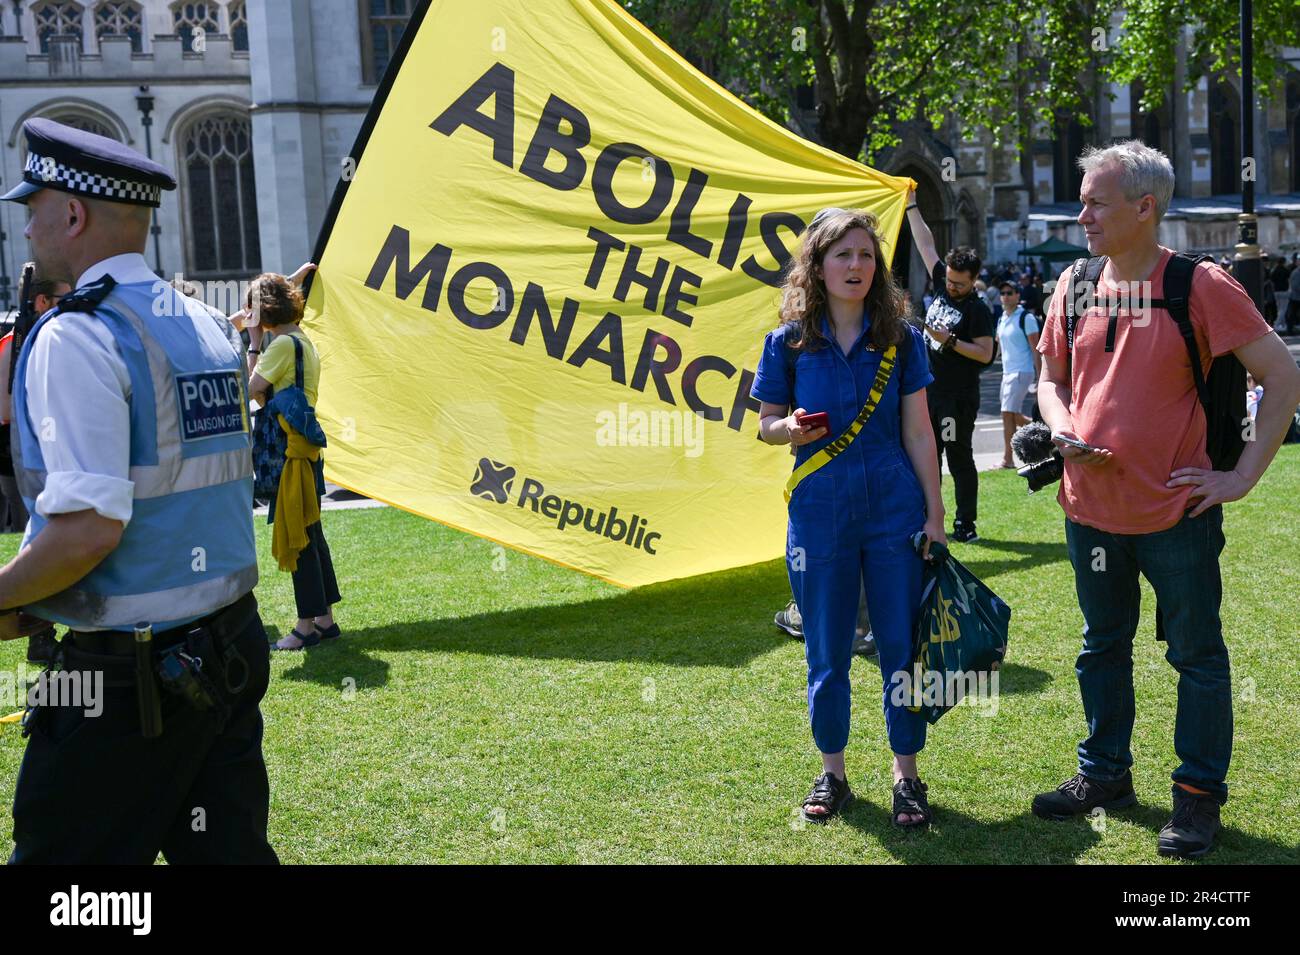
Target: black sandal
{"points": [[308, 640], [909, 800], [827, 791]]}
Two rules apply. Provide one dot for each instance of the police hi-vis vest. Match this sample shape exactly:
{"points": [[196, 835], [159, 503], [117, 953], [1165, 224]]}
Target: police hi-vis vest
{"points": [[188, 549]]}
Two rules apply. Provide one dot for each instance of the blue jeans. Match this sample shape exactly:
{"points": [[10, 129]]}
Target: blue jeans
{"points": [[1182, 565]]}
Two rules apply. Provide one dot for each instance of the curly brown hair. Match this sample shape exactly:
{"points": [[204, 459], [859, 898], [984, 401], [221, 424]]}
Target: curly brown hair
{"points": [[274, 300], [803, 296]]}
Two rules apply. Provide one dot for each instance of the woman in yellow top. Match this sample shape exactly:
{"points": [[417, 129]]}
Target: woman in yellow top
{"points": [[272, 365]]}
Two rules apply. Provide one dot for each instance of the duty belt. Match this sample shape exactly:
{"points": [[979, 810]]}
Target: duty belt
{"points": [[223, 624]]}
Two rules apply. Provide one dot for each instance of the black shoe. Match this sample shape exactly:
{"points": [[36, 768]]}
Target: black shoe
{"points": [[963, 533], [1080, 795], [790, 620], [864, 644], [1190, 833]]}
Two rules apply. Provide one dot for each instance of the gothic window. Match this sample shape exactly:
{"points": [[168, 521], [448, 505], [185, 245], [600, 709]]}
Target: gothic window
{"points": [[83, 122], [120, 19], [1225, 141], [221, 196], [1067, 147], [1293, 128], [1150, 126], [1150, 131], [382, 25], [968, 223], [239, 26], [75, 119], [56, 19], [192, 18]]}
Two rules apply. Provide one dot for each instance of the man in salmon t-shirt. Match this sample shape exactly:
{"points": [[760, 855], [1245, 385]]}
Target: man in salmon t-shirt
{"points": [[1145, 500]]}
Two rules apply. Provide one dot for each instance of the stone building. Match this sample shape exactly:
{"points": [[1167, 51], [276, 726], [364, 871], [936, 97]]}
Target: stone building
{"points": [[252, 103]]}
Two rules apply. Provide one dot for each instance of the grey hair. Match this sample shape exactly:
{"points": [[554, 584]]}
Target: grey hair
{"points": [[1144, 170]]}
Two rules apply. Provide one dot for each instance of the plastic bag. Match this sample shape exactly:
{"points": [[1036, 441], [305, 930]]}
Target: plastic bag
{"points": [[960, 638]]}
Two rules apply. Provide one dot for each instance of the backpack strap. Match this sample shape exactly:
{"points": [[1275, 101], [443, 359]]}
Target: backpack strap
{"points": [[1024, 314], [1084, 270], [297, 361], [1178, 290], [1177, 302]]}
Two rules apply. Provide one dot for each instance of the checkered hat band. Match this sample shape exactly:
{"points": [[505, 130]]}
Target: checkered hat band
{"points": [[46, 170]]}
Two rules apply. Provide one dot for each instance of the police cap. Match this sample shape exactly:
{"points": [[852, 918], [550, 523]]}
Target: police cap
{"points": [[84, 164]]}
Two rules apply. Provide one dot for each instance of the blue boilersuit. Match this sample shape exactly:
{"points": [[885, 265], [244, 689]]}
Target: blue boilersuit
{"points": [[851, 522]]}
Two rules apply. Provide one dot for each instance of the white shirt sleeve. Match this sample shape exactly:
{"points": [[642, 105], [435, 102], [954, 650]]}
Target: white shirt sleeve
{"points": [[78, 392]]}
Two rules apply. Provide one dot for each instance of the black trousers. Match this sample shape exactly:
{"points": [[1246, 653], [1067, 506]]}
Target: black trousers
{"points": [[91, 789], [315, 588], [954, 417]]}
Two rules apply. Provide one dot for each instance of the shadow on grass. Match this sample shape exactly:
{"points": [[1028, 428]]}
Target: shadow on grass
{"points": [[718, 619], [331, 663], [1017, 678], [956, 837], [1025, 554], [1027, 840], [1231, 845], [1012, 677], [722, 619]]}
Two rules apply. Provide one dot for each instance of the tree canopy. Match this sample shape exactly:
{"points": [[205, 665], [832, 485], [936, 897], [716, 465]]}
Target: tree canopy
{"points": [[867, 65]]}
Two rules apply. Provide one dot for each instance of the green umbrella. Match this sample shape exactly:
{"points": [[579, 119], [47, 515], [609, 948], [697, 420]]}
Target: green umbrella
{"points": [[1054, 250]]}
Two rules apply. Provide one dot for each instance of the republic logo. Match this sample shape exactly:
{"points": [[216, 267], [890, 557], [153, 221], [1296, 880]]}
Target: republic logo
{"points": [[492, 481]]}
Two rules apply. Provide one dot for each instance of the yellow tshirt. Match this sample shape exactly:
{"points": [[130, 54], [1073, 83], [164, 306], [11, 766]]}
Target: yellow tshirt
{"points": [[275, 364]]}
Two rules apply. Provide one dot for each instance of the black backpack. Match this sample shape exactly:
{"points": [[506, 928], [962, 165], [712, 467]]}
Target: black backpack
{"points": [[1222, 392]]}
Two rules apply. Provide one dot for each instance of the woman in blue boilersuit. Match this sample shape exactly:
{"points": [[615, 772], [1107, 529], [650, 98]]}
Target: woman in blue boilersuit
{"points": [[852, 519]]}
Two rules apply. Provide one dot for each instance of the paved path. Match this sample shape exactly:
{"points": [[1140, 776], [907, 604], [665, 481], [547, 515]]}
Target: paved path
{"points": [[337, 499]]}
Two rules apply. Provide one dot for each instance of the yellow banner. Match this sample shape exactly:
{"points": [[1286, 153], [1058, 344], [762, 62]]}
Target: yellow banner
{"points": [[544, 287]]}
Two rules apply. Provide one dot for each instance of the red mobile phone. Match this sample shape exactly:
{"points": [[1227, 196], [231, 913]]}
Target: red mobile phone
{"points": [[814, 420]]}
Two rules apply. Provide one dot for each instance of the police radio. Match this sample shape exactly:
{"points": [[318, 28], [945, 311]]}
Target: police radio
{"points": [[26, 317]]}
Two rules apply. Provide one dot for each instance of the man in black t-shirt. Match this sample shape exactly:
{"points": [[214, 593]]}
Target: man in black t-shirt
{"points": [[959, 332]]}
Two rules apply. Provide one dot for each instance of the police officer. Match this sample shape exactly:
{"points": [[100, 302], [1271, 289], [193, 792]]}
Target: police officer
{"points": [[131, 449]]}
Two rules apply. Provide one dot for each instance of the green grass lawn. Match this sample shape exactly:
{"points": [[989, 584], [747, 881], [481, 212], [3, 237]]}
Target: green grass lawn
{"points": [[522, 712]]}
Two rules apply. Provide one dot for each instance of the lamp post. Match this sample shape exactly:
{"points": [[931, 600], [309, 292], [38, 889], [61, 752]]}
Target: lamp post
{"points": [[1023, 232], [1246, 264], [144, 103]]}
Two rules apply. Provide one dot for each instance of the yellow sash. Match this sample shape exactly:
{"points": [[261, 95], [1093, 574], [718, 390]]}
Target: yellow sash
{"points": [[825, 455]]}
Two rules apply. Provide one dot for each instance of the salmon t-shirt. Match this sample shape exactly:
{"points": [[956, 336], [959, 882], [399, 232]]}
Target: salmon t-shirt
{"points": [[1140, 400]]}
